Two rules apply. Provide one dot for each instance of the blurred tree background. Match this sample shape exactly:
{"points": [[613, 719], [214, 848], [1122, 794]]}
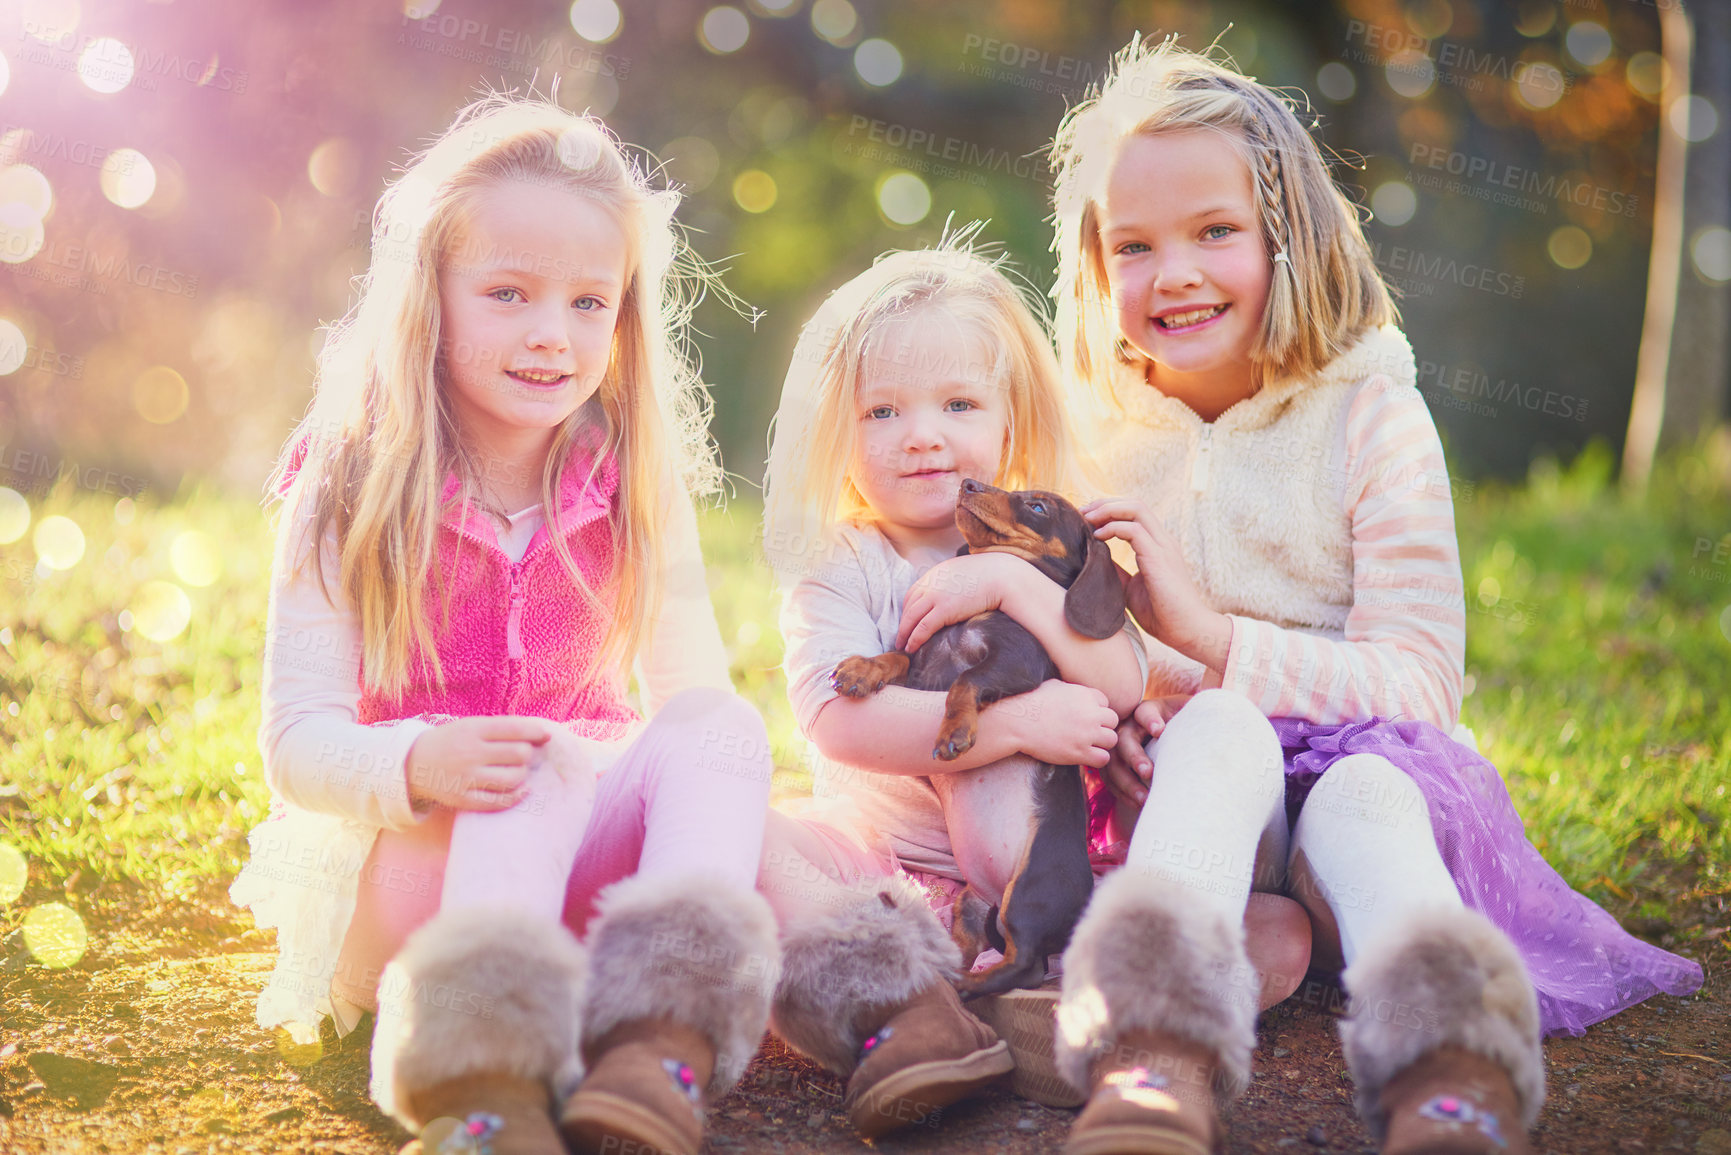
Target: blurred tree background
{"points": [[186, 187]]}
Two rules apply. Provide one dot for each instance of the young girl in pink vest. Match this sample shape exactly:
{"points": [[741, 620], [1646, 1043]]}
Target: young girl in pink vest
{"points": [[486, 525], [1237, 371]]}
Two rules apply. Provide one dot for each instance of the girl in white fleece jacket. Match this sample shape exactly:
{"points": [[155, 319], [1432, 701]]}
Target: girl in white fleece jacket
{"points": [[1236, 370]]}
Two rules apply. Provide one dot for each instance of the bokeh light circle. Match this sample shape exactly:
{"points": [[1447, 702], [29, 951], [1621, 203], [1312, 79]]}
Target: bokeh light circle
{"points": [[878, 62], [13, 347], [59, 541], [22, 184], [160, 395], [1394, 203], [14, 515], [55, 935], [834, 20], [298, 1053], [127, 177], [1570, 247], [1430, 18], [1539, 85], [14, 873], [447, 1134], [1336, 81], [5, 74], [1589, 42], [1711, 252], [724, 29], [1410, 73], [754, 191], [1645, 73], [1694, 118], [195, 558], [21, 233], [160, 610], [596, 21], [105, 65], [334, 166], [904, 199]]}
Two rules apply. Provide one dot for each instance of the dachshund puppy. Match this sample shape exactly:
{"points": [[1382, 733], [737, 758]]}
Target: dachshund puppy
{"points": [[988, 657]]}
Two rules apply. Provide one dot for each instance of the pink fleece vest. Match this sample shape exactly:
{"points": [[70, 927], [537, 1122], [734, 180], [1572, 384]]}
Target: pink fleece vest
{"points": [[519, 632]]}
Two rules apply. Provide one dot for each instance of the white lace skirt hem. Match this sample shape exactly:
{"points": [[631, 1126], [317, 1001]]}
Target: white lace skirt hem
{"points": [[301, 880]]}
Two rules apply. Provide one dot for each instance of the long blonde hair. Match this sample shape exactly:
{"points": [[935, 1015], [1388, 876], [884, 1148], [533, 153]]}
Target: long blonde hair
{"points": [[807, 488], [381, 436], [1325, 293]]}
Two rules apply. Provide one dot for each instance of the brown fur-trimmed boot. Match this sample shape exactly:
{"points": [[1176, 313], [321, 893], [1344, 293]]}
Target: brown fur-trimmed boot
{"points": [[1157, 1019], [866, 993], [1443, 1038], [680, 977], [476, 1035]]}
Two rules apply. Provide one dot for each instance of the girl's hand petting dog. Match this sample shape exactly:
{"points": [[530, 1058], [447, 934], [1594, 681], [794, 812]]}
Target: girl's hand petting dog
{"points": [[1162, 596], [484, 763], [1129, 770]]}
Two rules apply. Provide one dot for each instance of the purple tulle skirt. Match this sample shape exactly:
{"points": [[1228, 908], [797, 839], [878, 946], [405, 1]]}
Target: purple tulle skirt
{"points": [[1584, 966]]}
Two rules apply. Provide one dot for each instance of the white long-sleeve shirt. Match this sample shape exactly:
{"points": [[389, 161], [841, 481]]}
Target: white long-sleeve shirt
{"points": [[319, 757], [306, 859]]}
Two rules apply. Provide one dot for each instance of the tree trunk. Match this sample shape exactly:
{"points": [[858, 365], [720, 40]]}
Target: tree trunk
{"points": [[1652, 363], [1699, 382], [1683, 374]]}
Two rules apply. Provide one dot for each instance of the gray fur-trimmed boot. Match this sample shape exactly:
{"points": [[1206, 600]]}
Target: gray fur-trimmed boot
{"points": [[476, 1034], [867, 993], [1443, 1038], [1157, 1019], [681, 971]]}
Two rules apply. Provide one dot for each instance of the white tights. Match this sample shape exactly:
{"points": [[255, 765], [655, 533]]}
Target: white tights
{"points": [[1361, 855]]}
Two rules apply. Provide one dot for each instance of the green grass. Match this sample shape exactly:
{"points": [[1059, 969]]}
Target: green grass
{"points": [[1597, 668]]}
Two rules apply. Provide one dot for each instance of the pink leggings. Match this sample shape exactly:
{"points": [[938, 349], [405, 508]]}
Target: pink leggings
{"points": [[687, 796]]}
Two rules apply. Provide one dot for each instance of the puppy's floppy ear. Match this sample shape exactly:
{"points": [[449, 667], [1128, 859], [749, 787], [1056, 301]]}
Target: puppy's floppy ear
{"points": [[962, 551], [1094, 603]]}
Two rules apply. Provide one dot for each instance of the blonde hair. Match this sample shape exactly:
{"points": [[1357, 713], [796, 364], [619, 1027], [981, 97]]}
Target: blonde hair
{"points": [[381, 435], [1325, 292], [807, 488]]}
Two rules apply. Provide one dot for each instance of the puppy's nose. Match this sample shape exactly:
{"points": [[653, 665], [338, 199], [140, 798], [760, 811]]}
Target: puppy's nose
{"points": [[972, 486]]}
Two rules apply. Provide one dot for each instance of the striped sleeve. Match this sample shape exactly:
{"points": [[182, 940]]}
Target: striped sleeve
{"points": [[1404, 652]]}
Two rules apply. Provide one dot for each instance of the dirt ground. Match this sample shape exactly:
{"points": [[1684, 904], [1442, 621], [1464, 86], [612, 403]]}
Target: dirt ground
{"points": [[149, 1045]]}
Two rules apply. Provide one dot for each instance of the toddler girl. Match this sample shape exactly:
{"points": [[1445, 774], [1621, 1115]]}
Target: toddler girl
{"points": [[922, 372]]}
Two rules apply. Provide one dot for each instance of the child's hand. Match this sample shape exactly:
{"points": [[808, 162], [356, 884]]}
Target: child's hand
{"points": [[1162, 596], [954, 591], [478, 763], [1128, 773], [1063, 723]]}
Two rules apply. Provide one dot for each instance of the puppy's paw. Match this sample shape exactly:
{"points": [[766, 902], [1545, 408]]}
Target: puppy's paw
{"points": [[953, 742], [862, 677]]}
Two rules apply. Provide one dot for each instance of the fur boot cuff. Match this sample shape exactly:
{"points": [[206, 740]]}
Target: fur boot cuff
{"points": [[477, 991], [1149, 956], [877, 951], [1443, 978], [692, 950]]}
